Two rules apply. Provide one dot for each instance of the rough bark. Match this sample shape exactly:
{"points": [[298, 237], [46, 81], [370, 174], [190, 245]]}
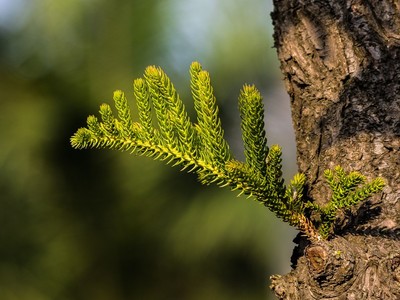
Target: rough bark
{"points": [[341, 65]]}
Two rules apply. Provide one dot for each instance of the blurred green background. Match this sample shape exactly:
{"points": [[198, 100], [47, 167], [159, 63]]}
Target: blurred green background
{"points": [[107, 225]]}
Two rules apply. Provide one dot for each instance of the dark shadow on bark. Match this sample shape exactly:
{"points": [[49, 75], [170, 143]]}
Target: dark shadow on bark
{"points": [[354, 218], [393, 234]]}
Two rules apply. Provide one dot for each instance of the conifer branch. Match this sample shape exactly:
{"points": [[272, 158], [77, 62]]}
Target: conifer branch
{"points": [[165, 132]]}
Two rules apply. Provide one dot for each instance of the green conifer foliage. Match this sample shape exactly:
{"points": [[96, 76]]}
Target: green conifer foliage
{"points": [[348, 189], [165, 132]]}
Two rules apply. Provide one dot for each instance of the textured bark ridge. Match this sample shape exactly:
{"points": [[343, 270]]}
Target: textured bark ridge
{"points": [[341, 66], [344, 268]]}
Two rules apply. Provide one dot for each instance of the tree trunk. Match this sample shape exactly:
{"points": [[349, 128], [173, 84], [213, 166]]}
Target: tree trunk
{"points": [[341, 65]]}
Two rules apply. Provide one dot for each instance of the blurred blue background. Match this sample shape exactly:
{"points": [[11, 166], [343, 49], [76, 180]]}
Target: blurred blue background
{"points": [[107, 225]]}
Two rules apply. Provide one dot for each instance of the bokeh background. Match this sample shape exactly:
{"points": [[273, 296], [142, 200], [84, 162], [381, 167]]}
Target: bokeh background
{"points": [[107, 225]]}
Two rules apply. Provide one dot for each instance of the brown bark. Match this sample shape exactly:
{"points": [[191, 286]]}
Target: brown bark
{"points": [[341, 65]]}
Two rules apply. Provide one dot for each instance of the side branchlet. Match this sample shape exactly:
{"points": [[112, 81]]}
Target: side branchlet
{"points": [[348, 189]]}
